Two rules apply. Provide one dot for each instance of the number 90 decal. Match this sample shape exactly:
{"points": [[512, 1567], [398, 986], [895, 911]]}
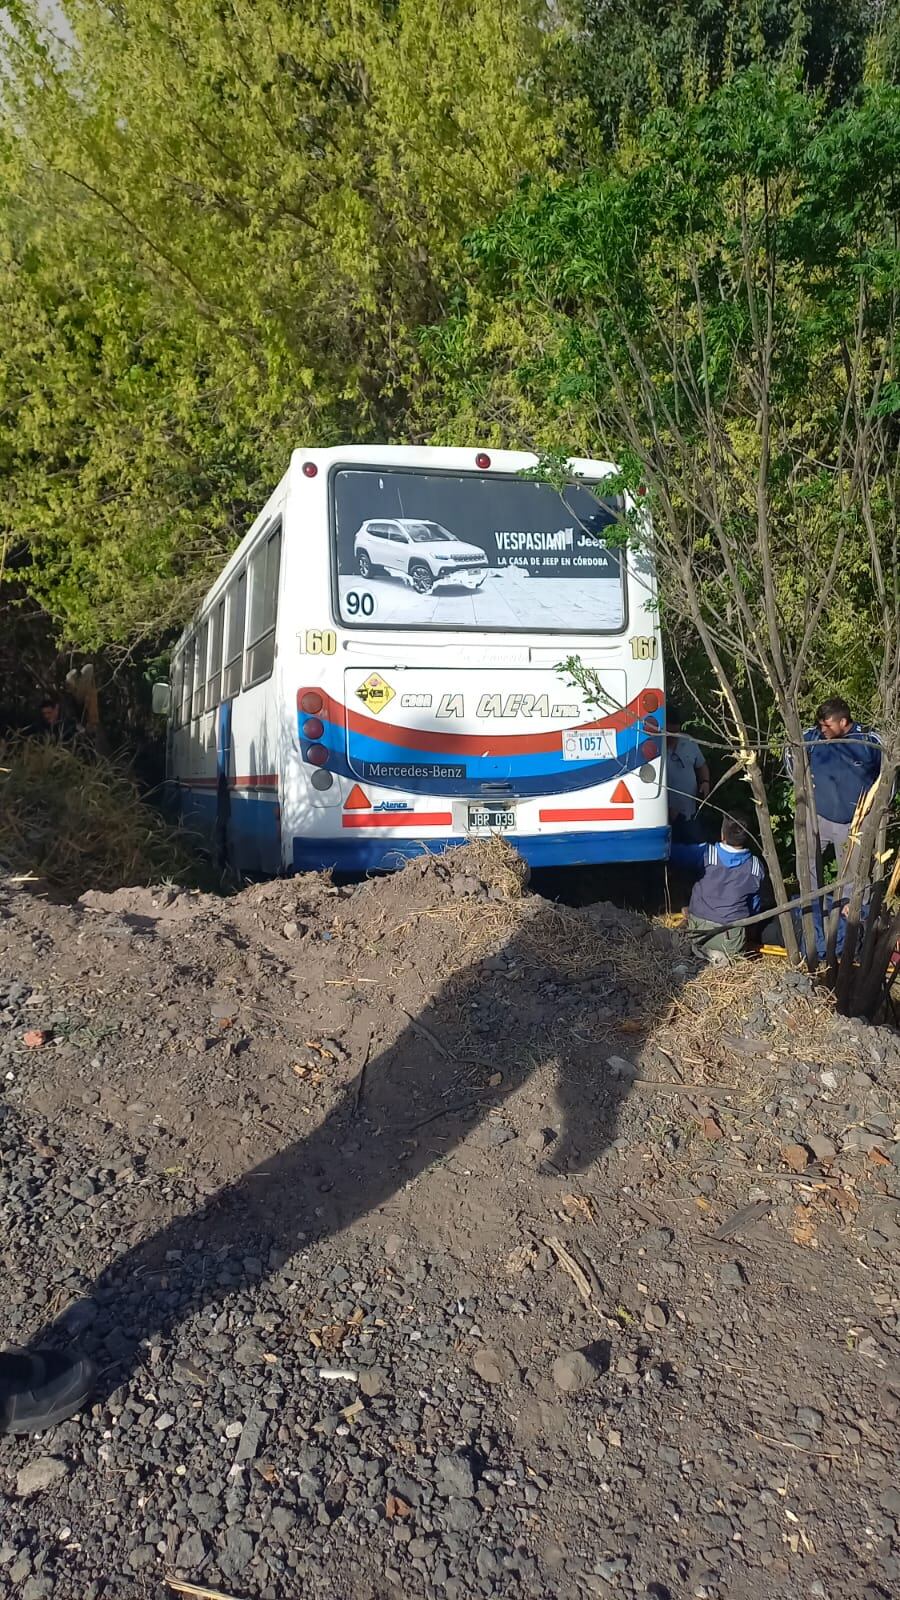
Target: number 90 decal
{"points": [[359, 605]]}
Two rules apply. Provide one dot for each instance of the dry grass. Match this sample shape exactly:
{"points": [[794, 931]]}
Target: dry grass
{"points": [[695, 1018], [706, 1031], [565, 941], [495, 862], [76, 824]]}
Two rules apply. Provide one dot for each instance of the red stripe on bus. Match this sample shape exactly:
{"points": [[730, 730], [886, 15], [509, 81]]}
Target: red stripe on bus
{"points": [[390, 819], [473, 744], [589, 814], [257, 780]]}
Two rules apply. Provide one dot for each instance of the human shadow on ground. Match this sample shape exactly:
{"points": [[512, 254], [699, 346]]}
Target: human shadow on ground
{"points": [[412, 1106]]}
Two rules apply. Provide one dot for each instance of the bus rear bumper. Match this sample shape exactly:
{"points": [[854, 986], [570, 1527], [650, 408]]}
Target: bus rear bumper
{"points": [[539, 850]]}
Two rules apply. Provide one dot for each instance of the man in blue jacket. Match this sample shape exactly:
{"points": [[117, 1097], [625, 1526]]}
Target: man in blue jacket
{"points": [[845, 760], [727, 890]]}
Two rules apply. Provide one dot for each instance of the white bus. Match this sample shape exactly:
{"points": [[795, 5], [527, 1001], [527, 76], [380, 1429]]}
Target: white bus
{"points": [[376, 671]]}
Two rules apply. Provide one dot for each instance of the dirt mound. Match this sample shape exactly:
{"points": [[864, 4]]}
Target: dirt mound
{"points": [[433, 1238]]}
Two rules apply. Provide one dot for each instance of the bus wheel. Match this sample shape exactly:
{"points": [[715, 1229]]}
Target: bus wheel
{"points": [[364, 565], [420, 577]]}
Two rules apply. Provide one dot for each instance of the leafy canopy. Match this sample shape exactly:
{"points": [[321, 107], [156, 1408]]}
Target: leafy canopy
{"points": [[221, 227], [718, 305]]}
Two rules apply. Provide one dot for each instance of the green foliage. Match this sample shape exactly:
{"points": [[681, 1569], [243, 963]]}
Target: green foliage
{"points": [[224, 228], [627, 314], [220, 230], [650, 53]]}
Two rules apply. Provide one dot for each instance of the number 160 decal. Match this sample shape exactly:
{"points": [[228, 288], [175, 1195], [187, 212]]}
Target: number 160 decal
{"points": [[643, 649], [318, 642]]}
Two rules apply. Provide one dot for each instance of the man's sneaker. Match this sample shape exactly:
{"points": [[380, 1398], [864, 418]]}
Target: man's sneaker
{"points": [[41, 1388]]}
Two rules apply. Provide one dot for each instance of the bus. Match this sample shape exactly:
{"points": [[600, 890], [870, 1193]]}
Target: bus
{"points": [[377, 671]]}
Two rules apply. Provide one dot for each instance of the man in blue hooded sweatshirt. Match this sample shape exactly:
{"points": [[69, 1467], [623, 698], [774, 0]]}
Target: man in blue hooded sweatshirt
{"points": [[845, 761], [727, 890]]}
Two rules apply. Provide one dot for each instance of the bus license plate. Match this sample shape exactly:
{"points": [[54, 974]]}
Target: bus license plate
{"points": [[588, 744], [491, 819]]}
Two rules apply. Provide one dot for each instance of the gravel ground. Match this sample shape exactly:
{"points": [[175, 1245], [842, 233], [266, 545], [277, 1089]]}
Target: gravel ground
{"points": [[433, 1240]]}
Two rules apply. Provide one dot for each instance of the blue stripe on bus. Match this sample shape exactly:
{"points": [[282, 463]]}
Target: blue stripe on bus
{"points": [[540, 774], [540, 850], [254, 825], [223, 739]]}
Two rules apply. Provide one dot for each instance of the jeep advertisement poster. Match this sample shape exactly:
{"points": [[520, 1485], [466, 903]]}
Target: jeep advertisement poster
{"points": [[421, 550]]}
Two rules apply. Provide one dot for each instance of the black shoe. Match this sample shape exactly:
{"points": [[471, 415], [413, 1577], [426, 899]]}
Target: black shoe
{"points": [[41, 1388]]}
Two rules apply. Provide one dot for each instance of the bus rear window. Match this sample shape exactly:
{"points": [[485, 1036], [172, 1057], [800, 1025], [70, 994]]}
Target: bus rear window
{"points": [[440, 550]]}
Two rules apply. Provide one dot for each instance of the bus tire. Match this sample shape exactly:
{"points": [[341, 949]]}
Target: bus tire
{"points": [[420, 577]]}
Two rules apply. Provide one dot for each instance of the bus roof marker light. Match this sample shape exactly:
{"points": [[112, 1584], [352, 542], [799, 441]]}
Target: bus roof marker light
{"points": [[483, 460], [310, 470]]}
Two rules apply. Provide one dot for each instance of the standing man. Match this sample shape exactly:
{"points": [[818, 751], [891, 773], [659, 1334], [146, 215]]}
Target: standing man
{"points": [[845, 761], [687, 778]]}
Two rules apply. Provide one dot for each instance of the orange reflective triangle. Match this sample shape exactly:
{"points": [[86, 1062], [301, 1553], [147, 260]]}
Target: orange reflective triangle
{"points": [[357, 800], [621, 795]]}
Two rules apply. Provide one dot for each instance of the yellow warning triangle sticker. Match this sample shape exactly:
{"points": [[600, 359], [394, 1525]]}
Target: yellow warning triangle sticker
{"points": [[357, 800]]}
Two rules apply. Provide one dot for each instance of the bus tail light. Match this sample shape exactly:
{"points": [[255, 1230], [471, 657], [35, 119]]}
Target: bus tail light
{"points": [[649, 700], [311, 704], [649, 749]]}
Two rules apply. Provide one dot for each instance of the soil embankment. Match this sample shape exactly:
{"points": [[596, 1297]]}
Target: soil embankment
{"points": [[436, 1240]]}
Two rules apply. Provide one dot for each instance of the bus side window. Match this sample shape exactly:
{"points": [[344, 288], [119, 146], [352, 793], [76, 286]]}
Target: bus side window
{"points": [[176, 678], [214, 670], [187, 682], [264, 565], [234, 642], [200, 669]]}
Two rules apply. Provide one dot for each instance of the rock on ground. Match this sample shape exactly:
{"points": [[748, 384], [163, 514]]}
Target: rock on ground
{"points": [[39, 1474]]}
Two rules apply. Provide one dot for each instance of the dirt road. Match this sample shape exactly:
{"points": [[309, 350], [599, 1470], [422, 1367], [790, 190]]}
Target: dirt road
{"points": [[435, 1240]]}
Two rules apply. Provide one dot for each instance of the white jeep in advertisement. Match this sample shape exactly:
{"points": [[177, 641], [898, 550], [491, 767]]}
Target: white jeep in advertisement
{"points": [[424, 553]]}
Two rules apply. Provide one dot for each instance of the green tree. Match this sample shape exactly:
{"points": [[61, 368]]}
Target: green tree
{"points": [[221, 227], [718, 311], [638, 57]]}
